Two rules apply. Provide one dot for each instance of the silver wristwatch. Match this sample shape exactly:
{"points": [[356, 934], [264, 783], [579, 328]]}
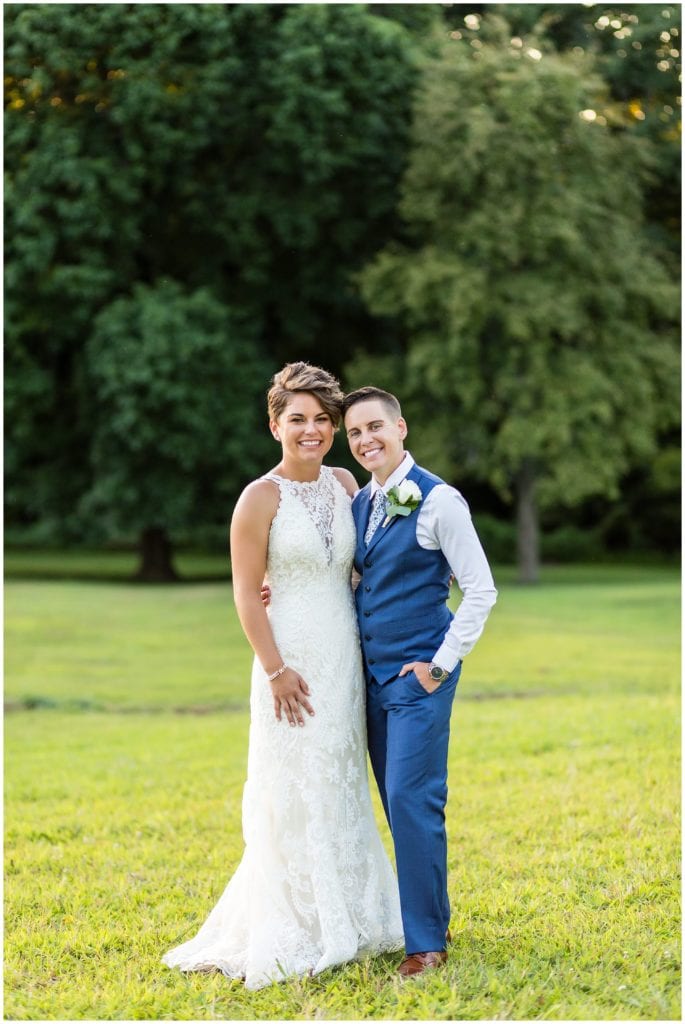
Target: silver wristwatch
{"points": [[437, 674]]}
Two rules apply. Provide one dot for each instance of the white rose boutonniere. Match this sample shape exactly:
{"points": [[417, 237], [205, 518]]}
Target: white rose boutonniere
{"points": [[402, 500]]}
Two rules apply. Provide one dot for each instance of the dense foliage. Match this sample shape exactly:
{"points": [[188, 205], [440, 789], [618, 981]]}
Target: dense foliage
{"points": [[252, 152], [193, 190], [541, 327]]}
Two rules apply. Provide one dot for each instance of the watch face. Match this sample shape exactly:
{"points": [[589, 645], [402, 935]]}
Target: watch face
{"points": [[436, 672]]}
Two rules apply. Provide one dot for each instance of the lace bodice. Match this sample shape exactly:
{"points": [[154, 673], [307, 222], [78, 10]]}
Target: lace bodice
{"points": [[318, 498], [312, 541], [309, 563]]}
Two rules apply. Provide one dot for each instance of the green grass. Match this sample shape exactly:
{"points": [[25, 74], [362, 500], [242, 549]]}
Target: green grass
{"points": [[123, 826], [147, 647], [124, 645]]}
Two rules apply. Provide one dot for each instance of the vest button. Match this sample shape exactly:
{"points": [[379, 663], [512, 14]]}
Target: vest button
{"points": [[372, 661], [367, 636], [367, 614], [368, 562], [367, 589]]}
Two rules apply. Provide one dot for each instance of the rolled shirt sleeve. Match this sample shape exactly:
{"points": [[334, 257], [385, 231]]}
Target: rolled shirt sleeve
{"points": [[444, 523]]}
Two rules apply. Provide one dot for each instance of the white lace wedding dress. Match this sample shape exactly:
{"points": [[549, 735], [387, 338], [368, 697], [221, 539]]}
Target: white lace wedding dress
{"points": [[314, 887]]}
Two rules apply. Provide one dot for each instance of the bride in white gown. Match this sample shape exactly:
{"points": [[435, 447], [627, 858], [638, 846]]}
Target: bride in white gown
{"points": [[314, 887]]}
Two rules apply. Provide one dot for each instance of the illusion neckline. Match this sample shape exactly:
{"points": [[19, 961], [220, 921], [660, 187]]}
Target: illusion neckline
{"points": [[300, 483]]}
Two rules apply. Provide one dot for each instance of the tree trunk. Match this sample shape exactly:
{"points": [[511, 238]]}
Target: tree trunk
{"points": [[527, 535], [156, 563]]}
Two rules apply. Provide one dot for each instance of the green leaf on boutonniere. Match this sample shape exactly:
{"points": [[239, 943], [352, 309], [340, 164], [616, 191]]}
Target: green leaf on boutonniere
{"points": [[397, 510], [402, 500]]}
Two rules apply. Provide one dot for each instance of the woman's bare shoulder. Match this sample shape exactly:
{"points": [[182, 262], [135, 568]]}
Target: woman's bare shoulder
{"points": [[344, 477], [259, 499]]}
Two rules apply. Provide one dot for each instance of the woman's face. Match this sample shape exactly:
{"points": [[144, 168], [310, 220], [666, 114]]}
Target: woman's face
{"points": [[304, 429]]}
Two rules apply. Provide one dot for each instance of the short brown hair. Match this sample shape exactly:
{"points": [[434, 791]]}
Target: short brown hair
{"points": [[296, 377], [370, 393]]}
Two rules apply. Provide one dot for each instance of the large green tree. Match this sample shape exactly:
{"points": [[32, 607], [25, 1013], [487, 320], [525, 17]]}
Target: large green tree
{"points": [[248, 154], [541, 351], [175, 383], [638, 53]]}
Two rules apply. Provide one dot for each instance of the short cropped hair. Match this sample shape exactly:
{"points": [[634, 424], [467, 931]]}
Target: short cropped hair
{"points": [[298, 377], [369, 393]]}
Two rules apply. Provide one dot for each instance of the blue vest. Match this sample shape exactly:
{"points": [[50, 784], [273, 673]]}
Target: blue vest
{"points": [[402, 597]]}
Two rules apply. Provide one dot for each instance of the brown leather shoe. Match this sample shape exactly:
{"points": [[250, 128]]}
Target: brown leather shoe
{"points": [[417, 963]]}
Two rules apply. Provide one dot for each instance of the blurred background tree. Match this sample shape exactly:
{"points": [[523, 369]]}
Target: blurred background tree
{"points": [[192, 191], [637, 51], [176, 389], [250, 151], [542, 350]]}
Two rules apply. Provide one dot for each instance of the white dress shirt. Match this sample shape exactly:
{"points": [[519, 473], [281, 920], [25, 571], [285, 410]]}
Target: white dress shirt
{"points": [[444, 523]]}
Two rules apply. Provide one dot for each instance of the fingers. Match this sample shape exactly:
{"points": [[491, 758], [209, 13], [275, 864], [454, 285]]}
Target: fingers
{"points": [[303, 700], [292, 708], [293, 713], [297, 712], [307, 706], [407, 668], [282, 707], [291, 699]]}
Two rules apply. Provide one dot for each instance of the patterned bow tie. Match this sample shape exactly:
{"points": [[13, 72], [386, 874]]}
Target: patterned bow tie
{"points": [[377, 513]]}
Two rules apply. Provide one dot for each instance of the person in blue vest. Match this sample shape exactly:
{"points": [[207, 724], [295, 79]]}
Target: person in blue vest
{"points": [[414, 532]]}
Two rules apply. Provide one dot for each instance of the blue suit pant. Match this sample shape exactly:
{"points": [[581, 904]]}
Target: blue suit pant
{"points": [[408, 736]]}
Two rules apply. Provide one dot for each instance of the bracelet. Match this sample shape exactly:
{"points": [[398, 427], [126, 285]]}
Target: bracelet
{"points": [[278, 672]]}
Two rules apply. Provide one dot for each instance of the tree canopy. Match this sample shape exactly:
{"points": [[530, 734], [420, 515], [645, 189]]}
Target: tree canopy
{"points": [[156, 152], [192, 192], [540, 322]]}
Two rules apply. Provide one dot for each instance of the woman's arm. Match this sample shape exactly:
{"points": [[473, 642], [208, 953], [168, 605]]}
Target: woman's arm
{"points": [[250, 527]]}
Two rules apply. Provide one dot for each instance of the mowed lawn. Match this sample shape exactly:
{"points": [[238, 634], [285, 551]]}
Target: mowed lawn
{"points": [[124, 788]]}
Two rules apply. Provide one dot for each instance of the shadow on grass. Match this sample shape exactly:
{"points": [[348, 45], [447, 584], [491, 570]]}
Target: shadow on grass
{"points": [[198, 568], [79, 705], [92, 566]]}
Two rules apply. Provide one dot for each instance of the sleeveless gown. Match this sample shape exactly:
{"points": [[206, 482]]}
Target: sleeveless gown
{"points": [[314, 887]]}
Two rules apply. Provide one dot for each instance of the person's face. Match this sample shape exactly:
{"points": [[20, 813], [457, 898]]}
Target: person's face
{"points": [[304, 429], [375, 437]]}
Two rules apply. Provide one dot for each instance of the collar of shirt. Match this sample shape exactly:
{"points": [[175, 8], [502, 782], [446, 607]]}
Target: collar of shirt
{"points": [[396, 477]]}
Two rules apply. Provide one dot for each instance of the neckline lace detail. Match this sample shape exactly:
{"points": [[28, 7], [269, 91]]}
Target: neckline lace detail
{"points": [[299, 483], [318, 498]]}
